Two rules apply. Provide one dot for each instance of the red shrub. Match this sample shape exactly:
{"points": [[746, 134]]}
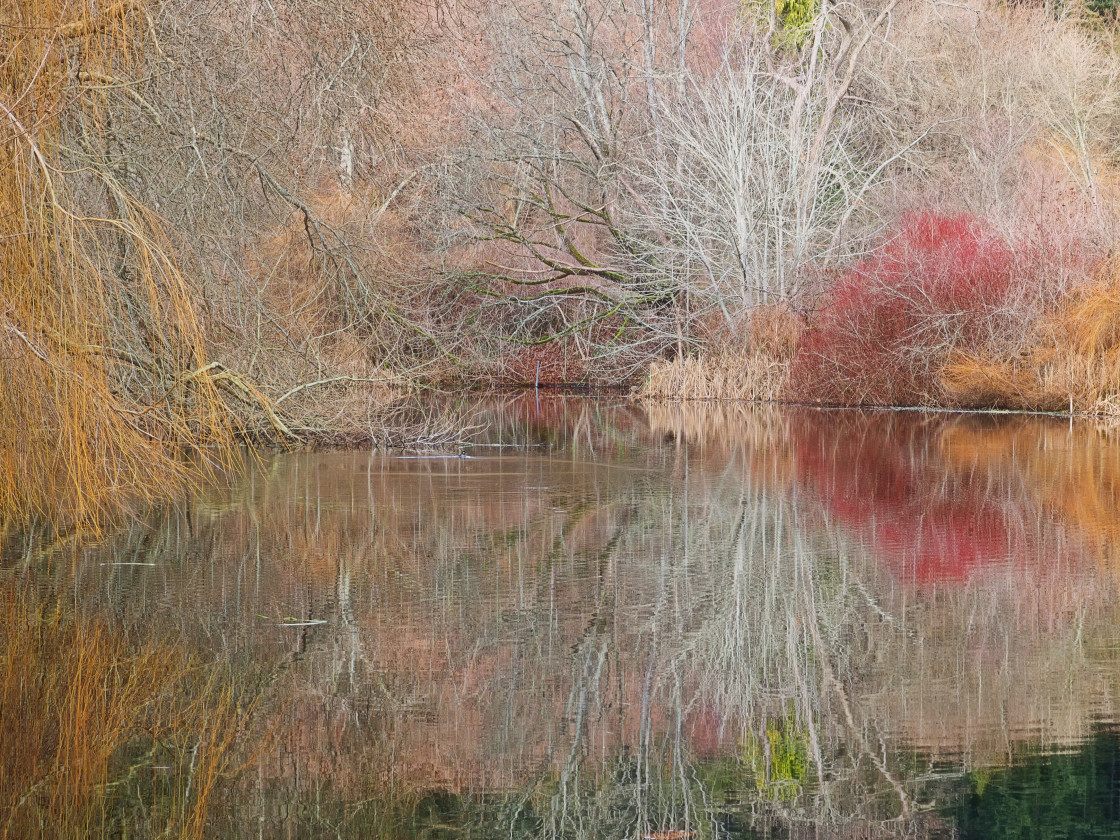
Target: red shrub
{"points": [[936, 285]]}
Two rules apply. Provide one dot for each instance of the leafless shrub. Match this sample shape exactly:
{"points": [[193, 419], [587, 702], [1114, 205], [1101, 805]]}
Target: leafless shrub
{"points": [[1020, 110], [276, 138], [767, 161], [659, 163]]}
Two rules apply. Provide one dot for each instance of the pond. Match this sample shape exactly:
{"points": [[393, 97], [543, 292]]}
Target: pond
{"points": [[618, 620]]}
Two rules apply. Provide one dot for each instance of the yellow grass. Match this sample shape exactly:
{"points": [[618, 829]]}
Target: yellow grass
{"points": [[979, 382], [98, 338], [717, 376], [754, 368]]}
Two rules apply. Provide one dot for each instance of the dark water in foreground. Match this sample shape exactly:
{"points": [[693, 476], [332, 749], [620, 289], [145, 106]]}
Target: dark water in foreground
{"points": [[654, 622]]}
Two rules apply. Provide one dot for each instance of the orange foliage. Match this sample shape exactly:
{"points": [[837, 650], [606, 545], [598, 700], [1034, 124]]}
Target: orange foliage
{"points": [[103, 375]]}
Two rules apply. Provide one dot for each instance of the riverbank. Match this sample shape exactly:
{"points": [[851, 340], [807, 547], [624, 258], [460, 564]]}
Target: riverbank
{"points": [[848, 223], [943, 314]]}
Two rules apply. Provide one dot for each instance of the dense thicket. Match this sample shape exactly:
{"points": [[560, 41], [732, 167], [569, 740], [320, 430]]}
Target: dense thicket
{"points": [[103, 369], [274, 219]]}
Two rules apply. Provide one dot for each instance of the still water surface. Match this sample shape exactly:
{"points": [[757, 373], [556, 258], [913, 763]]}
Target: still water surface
{"points": [[623, 621]]}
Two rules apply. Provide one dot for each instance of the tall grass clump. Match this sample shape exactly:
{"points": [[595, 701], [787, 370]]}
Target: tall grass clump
{"points": [[98, 735], [750, 362], [103, 372], [1071, 358], [1091, 324], [938, 284]]}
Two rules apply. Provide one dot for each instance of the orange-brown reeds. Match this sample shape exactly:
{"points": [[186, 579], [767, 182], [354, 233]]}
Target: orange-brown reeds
{"points": [[1091, 326], [976, 380], [102, 363], [91, 726], [1072, 361]]}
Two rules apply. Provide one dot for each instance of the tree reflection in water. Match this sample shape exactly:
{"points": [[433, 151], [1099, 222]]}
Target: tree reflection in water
{"points": [[617, 620]]}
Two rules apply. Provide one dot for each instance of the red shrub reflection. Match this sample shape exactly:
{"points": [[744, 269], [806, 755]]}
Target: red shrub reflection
{"points": [[883, 476]]}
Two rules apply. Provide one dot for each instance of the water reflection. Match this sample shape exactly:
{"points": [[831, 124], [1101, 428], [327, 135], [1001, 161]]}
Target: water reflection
{"points": [[1044, 796], [616, 620]]}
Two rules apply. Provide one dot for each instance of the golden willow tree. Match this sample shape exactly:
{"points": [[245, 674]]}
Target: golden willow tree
{"points": [[103, 376]]}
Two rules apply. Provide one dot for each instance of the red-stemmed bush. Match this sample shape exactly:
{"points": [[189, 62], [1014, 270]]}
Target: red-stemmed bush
{"points": [[937, 284]]}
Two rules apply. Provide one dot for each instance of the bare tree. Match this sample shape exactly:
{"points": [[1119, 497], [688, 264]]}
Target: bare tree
{"points": [[647, 161], [275, 138]]}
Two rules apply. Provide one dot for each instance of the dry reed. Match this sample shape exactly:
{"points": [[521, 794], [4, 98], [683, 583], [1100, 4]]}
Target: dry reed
{"points": [[717, 376], [754, 368], [1072, 361]]}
